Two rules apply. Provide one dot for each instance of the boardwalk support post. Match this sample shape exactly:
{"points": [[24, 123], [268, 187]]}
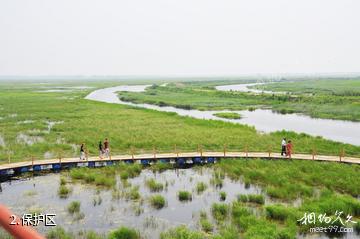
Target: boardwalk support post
{"points": [[200, 150], [313, 153], [176, 151], [132, 152], [154, 151], [269, 151], [246, 151], [342, 154], [224, 150]]}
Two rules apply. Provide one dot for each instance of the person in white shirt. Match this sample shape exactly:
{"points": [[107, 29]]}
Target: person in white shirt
{"points": [[283, 147]]}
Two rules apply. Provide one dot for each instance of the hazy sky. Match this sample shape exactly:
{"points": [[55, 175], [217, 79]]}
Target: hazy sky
{"points": [[183, 37]]}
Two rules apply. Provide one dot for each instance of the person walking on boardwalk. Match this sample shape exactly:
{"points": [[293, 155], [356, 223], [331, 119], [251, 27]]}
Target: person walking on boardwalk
{"points": [[283, 147], [289, 148], [107, 147], [101, 150], [82, 152]]}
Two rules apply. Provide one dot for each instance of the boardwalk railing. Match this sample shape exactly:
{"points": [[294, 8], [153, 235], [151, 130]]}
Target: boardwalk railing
{"points": [[145, 157]]}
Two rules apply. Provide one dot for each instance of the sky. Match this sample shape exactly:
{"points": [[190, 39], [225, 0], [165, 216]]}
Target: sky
{"points": [[178, 37]]}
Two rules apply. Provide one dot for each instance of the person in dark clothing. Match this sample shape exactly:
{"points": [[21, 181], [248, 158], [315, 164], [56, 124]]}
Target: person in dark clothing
{"points": [[101, 150], [82, 152], [106, 147]]}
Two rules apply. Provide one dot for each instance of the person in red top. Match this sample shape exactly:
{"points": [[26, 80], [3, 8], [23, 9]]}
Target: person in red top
{"points": [[289, 148], [106, 148]]}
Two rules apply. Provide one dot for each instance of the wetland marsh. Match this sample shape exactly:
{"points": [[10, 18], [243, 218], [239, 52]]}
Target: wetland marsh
{"points": [[231, 199]]}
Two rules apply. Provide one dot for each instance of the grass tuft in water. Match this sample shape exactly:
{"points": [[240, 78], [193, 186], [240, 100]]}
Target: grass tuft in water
{"points": [[153, 185], [74, 207], [205, 224], [228, 115], [201, 187], [124, 233], [217, 179], [281, 212], [94, 235], [228, 232], [219, 211], [132, 193], [62, 180], [184, 196], [181, 232], [251, 198], [157, 201], [64, 191], [59, 233], [222, 196]]}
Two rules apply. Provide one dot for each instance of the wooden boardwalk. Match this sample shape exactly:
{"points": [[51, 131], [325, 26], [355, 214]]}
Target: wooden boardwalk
{"points": [[179, 158]]}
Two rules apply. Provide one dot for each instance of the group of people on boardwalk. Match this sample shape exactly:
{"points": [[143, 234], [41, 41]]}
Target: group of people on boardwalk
{"points": [[286, 148], [104, 150]]}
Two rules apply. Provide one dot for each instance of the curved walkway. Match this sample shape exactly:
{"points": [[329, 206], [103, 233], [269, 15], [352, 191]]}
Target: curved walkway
{"points": [[178, 158]]}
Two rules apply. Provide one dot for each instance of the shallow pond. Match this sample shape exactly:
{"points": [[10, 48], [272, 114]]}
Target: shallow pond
{"points": [[263, 120], [103, 212], [40, 194], [246, 88]]}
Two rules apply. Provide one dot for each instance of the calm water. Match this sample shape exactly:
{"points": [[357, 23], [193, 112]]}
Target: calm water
{"points": [[242, 88], [263, 120], [40, 193]]}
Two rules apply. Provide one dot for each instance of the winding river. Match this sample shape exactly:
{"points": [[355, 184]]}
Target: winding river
{"points": [[263, 120]]}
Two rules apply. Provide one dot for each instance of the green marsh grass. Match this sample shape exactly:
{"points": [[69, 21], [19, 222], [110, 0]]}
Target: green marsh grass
{"points": [[88, 121], [252, 198], [227, 232], [93, 235], [218, 179], [124, 233], [281, 212], [219, 211], [100, 177], [59, 233], [184, 196], [105, 176], [157, 201], [181, 232], [228, 115], [289, 180], [206, 225], [222, 195], [153, 185], [74, 207], [201, 187], [62, 181], [64, 191], [132, 193]]}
